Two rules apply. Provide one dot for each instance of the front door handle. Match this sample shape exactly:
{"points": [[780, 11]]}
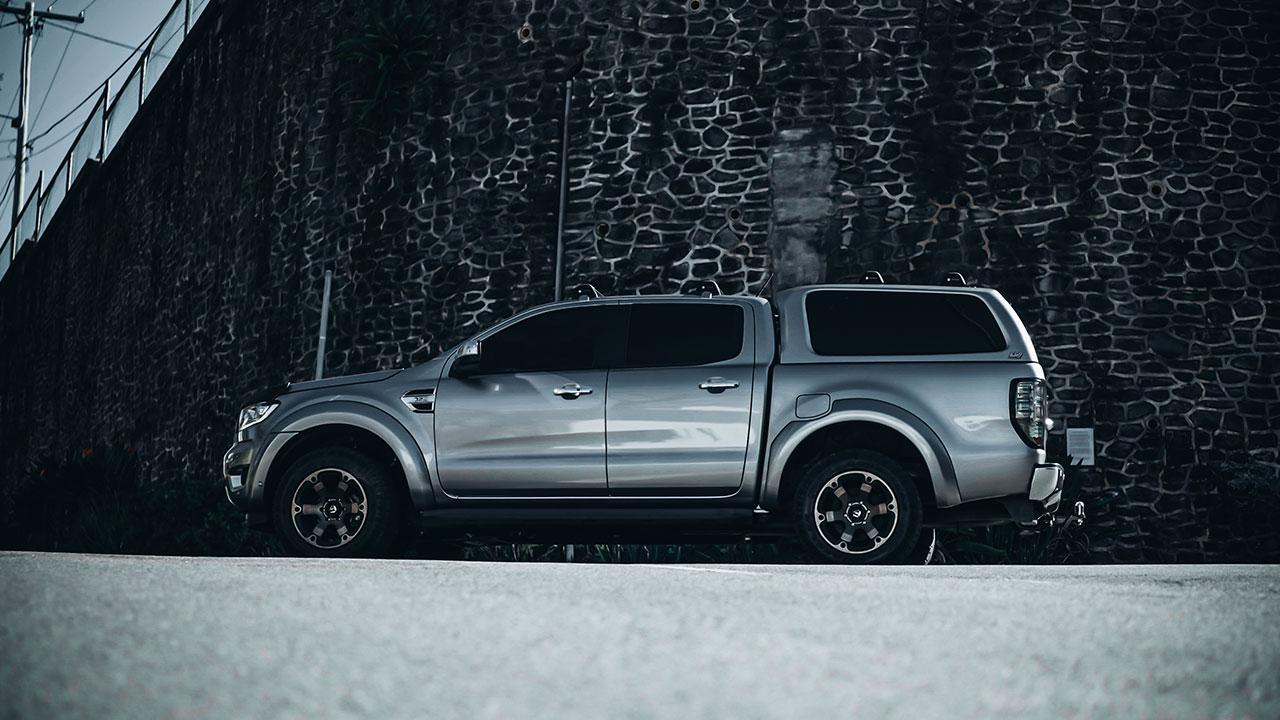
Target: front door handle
{"points": [[717, 384], [571, 391]]}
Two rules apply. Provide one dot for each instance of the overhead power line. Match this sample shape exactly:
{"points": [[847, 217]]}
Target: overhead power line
{"points": [[48, 17], [18, 90], [49, 90], [29, 18], [99, 38], [7, 184], [133, 50], [52, 143], [93, 93]]}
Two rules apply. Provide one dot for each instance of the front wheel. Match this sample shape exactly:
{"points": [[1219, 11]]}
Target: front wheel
{"points": [[337, 502], [858, 507]]}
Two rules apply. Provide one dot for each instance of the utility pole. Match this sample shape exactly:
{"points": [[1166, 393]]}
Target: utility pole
{"points": [[28, 16]]}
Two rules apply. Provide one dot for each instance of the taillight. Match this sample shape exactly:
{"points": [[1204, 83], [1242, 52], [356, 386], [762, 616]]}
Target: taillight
{"points": [[1029, 410]]}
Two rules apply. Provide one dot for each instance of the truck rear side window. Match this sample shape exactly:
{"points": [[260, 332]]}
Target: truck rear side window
{"points": [[681, 334], [869, 322]]}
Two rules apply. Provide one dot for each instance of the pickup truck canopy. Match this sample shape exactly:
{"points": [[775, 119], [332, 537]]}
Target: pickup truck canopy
{"points": [[898, 323]]}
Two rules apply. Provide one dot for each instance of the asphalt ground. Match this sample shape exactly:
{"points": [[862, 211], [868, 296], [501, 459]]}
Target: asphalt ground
{"points": [[153, 637]]}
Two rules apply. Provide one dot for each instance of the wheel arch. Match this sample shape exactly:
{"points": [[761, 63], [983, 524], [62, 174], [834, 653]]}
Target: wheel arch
{"points": [[869, 424], [359, 427]]}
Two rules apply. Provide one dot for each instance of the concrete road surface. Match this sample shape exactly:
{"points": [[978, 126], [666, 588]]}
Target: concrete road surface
{"points": [[150, 637]]}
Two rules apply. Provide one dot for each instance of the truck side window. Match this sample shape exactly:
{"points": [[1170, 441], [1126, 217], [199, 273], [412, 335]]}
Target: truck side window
{"points": [[869, 322], [581, 338], [683, 334]]}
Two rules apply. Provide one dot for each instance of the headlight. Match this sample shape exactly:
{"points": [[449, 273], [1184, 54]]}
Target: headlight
{"points": [[254, 414]]}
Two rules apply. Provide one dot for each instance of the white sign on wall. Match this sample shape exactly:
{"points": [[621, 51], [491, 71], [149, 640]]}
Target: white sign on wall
{"points": [[1080, 445]]}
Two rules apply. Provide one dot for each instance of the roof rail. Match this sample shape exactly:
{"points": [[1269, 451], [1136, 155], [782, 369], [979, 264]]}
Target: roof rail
{"points": [[955, 278], [584, 291], [872, 277], [705, 288]]}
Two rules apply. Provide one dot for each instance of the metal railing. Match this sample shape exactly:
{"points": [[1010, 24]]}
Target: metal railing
{"points": [[99, 134]]}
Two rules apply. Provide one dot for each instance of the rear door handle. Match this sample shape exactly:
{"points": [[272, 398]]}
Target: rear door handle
{"points": [[717, 384], [571, 391]]}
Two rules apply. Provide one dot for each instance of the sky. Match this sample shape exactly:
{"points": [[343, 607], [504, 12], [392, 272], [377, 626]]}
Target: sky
{"points": [[56, 90]]}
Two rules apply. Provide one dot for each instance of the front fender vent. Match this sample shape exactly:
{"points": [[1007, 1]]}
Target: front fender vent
{"points": [[420, 401]]}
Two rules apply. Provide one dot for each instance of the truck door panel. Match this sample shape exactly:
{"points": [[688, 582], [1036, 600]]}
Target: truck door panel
{"points": [[531, 420], [678, 411]]}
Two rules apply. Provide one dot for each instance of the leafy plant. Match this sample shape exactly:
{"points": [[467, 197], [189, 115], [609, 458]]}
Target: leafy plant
{"points": [[383, 62]]}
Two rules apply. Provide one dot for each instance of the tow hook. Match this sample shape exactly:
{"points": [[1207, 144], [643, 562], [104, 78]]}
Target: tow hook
{"points": [[1074, 518]]}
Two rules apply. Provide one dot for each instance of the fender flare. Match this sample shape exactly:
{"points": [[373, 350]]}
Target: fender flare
{"points": [[365, 417], [942, 474]]}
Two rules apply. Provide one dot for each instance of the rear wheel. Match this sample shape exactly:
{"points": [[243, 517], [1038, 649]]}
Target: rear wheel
{"points": [[337, 502], [858, 507]]}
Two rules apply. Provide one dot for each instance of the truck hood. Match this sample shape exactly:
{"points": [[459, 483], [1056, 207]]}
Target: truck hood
{"points": [[340, 380]]}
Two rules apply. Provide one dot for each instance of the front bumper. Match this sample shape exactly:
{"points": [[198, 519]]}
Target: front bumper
{"points": [[235, 474], [1046, 487]]}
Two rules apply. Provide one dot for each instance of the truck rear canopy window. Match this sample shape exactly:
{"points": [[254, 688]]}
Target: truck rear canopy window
{"points": [[869, 322]]}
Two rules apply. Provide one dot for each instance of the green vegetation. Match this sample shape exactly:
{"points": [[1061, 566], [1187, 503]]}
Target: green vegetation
{"points": [[384, 58]]}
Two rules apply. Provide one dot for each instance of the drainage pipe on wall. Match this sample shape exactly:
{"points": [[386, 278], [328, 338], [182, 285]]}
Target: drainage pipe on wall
{"points": [[564, 186], [324, 325]]}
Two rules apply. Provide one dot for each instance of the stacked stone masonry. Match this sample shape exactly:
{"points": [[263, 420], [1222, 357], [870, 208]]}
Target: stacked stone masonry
{"points": [[1111, 166]]}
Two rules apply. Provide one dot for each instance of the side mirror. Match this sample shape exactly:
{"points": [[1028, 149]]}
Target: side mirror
{"points": [[468, 360]]}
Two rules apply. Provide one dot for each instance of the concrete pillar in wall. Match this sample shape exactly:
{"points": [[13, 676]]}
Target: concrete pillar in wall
{"points": [[801, 166]]}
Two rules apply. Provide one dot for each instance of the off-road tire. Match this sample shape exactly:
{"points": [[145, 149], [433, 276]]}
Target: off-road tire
{"points": [[382, 524], [895, 546]]}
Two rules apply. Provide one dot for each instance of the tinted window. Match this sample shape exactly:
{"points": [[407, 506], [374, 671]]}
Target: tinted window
{"points": [[671, 334], [570, 339], [864, 322]]}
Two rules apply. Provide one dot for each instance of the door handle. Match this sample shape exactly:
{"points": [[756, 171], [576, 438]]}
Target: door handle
{"points": [[717, 384], [571, 391]]}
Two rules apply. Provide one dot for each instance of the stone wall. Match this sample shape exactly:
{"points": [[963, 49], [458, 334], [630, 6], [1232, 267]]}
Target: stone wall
{"points": [[1109, 165]]}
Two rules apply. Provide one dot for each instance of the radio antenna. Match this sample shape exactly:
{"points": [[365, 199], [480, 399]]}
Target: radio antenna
{"points": [[765, 286]]}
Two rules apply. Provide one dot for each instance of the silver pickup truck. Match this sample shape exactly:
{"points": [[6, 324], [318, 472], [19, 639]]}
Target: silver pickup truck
{"points": [[854, 417]]}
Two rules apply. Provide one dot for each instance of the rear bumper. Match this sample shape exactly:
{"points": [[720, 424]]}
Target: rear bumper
{"points": [[1029, 508], [1046, 487]]}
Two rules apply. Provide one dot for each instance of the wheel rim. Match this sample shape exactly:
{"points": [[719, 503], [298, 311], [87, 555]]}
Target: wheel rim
{"points": [[856, 512], [329, 508]]}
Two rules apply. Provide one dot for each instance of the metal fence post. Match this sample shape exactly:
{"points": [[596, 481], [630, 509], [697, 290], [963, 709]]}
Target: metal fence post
{"points": [[186, 24], [102, 131], [35, 226], [324, 325], [142, 76]]}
